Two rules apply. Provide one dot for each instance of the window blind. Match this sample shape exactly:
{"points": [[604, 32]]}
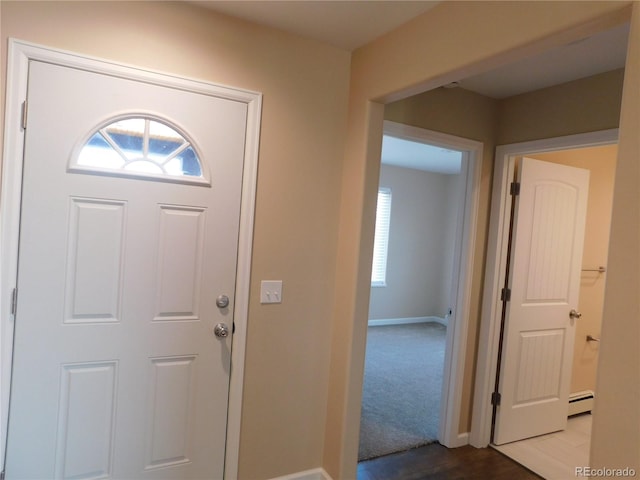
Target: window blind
{"points": [[381, 241]]}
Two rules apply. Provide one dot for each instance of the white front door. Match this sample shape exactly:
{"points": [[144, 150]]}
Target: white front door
{"points": [[129, 233], [544, 278]]}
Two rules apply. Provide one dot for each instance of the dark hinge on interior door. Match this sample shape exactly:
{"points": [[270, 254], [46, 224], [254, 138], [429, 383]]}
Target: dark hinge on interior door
{"points": [[14, 306], [515, 188], [23, 119], [495, 398], [505, 295]]}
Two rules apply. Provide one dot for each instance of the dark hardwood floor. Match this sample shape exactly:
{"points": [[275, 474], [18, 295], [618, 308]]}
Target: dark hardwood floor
{"points": [[435, 462]]}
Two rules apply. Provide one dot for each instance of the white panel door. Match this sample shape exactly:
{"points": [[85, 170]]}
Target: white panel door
{"points": [[117, 372], [546, 259]]}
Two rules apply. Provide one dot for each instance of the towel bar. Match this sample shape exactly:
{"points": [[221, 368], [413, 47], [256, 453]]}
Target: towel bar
{"points": [[599, 269]]}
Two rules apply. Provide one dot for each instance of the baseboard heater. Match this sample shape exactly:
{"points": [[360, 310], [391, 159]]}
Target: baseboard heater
{"points": [[581, 402]]}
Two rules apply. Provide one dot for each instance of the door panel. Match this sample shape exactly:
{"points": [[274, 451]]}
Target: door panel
{"points": [[546, 258], [86, 420], [117, 372], [171, 395], [95, 244], [179, 277]]}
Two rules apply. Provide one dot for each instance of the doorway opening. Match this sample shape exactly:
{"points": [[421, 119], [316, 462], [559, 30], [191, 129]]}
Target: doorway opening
{"points": [[418, 299], [597, 153], [478, 432]]}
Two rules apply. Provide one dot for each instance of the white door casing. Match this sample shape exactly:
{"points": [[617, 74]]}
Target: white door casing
{"points": [[94, 338], [457, 331], [489, 334], [539, 333]]}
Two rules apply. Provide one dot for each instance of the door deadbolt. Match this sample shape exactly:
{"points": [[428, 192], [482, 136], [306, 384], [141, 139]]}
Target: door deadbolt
{"points": [[222, 301]]}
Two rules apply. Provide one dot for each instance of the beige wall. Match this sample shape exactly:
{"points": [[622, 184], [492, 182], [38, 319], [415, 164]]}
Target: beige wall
{"points": [[601, 162], [305, 87], [615, 439], [399, 64], [420, 254], [585, 105]]}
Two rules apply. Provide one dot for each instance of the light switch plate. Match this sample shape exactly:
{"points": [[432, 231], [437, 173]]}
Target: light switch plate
{"points": [[271, 291]]}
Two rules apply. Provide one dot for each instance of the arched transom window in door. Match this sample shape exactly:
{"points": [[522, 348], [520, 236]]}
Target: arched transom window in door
{"points": [[140, 146]]}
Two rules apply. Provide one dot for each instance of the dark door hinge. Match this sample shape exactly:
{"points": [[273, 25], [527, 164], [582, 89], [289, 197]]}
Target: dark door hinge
{"points": [[495, 398], [505, 295], [23, 119], [14, 306], [515, 188]]}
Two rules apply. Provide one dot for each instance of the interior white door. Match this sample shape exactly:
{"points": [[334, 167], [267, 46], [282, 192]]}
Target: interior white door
{"points": [[539, 332], [117, 372]]}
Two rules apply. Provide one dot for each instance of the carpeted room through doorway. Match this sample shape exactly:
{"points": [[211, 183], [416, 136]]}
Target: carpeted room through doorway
{"points": [[402, 388]]}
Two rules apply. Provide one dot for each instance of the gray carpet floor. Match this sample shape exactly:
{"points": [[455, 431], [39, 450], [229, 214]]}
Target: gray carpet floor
{"points": [[402, 386]]}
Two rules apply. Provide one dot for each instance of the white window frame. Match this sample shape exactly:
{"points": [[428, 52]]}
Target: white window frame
{"points": [[76, 167], [381, 241]]}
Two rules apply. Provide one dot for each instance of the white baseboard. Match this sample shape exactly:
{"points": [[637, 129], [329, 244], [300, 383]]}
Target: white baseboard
{"points": [[455, 441], [463, 439], [407, 320], [314, 474]]}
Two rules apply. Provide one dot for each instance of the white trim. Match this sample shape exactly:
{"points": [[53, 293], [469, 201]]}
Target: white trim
{"points": [[457, 331], [73, 166], [486, 368], [19, 55], [406, 320], [461, 441], [314, 474], [17, 72], [243, 278]]}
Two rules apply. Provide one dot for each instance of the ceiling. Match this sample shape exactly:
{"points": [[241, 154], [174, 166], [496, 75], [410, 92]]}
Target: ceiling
{"points": [[598, 53], [349, 24], [420, 156]]}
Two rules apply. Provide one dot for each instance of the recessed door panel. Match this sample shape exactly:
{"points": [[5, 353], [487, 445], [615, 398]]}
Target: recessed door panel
{"points": [[179, 276], [539, 365], [552, 243], [95, 260], [84, 446], [171, 415]]}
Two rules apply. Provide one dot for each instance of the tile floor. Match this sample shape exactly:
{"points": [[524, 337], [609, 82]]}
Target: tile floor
{"points": [[555, 456]]}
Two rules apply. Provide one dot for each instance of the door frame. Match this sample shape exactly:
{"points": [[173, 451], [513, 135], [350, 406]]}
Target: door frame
{"points": [[460, 288], [20, 53], [489, 335]]}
